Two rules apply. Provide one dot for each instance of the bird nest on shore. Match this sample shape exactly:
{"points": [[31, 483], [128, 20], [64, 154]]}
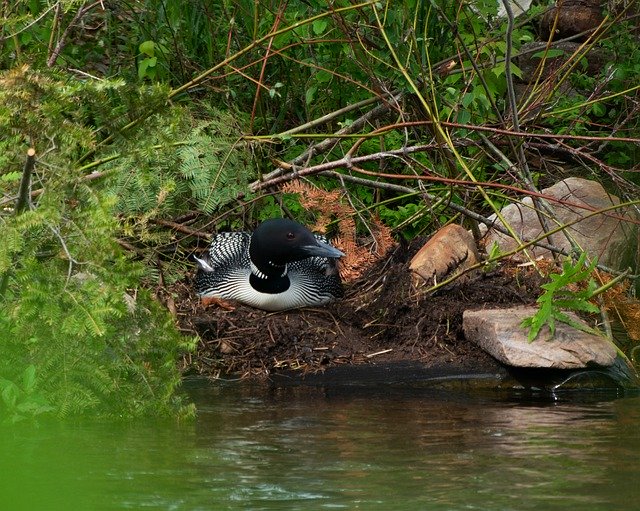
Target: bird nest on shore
{"points": [[382, 318]]}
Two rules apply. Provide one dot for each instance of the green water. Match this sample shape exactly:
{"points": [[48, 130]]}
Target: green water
{"points": [[310, 448]]}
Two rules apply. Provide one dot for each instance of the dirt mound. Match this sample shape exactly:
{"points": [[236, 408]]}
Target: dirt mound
{"points": [[381, 319]]}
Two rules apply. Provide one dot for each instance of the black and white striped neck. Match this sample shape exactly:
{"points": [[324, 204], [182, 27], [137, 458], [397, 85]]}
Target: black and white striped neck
{"points": [[271, 279], [267, 270]]}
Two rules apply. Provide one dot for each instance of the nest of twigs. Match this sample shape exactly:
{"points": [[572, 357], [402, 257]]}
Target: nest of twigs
{"points": [[382, 319]]}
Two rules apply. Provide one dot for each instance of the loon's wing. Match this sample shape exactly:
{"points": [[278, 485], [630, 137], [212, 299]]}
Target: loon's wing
{"points": [[227, 249]]}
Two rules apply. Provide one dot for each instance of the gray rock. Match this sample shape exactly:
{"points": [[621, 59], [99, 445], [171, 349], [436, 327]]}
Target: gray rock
{"points": [[609, 236], [498, 332]]}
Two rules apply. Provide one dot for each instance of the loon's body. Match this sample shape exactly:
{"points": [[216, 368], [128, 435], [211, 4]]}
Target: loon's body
{"points": [[282, 265]]}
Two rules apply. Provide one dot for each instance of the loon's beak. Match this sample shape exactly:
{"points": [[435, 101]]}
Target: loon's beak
{"points": [[322, 249]]}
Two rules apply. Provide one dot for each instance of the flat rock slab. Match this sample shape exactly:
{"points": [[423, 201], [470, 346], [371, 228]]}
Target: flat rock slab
{"points": [[498, 332]]}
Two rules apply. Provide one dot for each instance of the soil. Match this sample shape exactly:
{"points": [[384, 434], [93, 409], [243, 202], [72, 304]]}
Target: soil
{"points": [[382, 319]]}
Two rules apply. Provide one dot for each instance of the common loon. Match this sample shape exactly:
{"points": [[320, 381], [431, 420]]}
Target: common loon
{"points": [[282, 265]]}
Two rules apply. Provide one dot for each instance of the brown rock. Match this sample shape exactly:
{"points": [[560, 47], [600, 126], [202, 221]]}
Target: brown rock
{"points": [[451, 249], [529, 59], [573, 17], [498, 332]]}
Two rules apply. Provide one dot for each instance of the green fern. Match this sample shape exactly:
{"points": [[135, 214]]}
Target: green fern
{"points": [[206, 170], [557, 297]]}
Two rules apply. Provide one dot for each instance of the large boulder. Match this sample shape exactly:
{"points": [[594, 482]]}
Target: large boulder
{"points": [[610, 236]]}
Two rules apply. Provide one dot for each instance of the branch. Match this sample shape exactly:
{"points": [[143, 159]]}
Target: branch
{"points": [[538, 242], [25, 183], [351, 164], [62, 42], [21, 204], [328, 143]]}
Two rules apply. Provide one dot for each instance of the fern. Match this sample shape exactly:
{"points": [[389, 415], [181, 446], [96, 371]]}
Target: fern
{"points": [[206, 171], [565, 291]]}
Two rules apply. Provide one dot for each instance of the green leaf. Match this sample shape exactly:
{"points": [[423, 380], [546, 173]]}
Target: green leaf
{"points": [[10, 394], [598, 109], [29, 379], [146, 66], [319, 26], [323, 76], [310, 94], [558, 297], [515, 70], [148, 48], [11, 177], [463, 117]]}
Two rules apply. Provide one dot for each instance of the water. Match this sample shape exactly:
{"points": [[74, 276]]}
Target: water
{"points": [[304, 448]]}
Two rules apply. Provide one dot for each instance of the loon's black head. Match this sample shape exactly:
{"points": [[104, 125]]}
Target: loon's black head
{"points": [[280, 241]]}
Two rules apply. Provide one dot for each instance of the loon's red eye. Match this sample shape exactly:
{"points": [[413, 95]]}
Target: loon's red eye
{"points": [[290, 235]]}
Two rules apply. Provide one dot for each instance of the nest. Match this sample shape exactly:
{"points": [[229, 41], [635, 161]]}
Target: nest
{"points": [[382, 319]]}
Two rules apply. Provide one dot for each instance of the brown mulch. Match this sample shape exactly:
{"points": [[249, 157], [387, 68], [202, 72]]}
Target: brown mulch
{"points": [[382, 319]]}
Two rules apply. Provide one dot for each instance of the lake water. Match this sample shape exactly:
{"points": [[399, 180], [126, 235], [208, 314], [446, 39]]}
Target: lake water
{"points": [[302, 448]]}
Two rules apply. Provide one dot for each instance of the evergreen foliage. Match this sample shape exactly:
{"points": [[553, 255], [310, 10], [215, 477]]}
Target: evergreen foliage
{"points": [[205, 169], [75, 310], [78, 333]]}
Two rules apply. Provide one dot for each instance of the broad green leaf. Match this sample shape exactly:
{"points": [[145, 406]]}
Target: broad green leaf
{"points": [[319, 26], [148, 48], [549, 54]]}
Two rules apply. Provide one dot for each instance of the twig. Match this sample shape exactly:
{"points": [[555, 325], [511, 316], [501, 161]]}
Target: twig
{"points": [[21, 203], [224, 63], [328, 143], [503, 131], [180, 228], [537, 242], [351, 164], [381, 352], [62, 41], [472, 214], [25, 183], [339, 113], [29, 25], [263, 68]]}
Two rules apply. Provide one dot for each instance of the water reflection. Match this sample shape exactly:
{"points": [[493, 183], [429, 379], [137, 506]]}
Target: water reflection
{"points": [[431, 448], [311, 448]]}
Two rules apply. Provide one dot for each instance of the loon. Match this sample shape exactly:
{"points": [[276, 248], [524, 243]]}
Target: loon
{"points": [[281, 265]]}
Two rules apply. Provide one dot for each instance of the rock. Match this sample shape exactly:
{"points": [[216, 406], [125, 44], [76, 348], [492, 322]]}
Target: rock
{"points": [[571, 17], [607, 236], [529, 59], [518, 7], [452, 249], [498, 332]]}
